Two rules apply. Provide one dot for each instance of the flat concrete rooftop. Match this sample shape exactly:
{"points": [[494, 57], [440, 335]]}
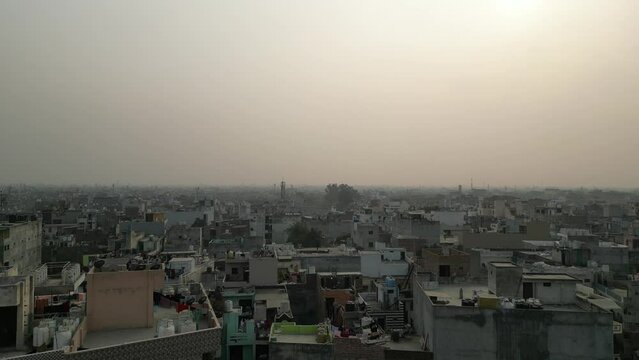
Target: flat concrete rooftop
{"points": [[451, 294], [409, 343], [103, 338], [503, 264], [548, 277]]}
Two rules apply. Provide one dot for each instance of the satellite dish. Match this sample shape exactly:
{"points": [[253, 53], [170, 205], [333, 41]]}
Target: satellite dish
{"points": [[156, 266], [98, 264]]}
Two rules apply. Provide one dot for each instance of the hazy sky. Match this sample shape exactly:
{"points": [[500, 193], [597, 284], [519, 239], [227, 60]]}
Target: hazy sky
{"points": [[406, 92]]}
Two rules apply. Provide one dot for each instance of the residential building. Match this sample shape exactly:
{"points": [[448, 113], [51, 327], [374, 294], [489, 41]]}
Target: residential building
{"points": [[21, 244]]}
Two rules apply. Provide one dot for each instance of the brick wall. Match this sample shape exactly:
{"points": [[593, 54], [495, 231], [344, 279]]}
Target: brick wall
{"points": [[353, 349], [407, 355], [182, 346]]}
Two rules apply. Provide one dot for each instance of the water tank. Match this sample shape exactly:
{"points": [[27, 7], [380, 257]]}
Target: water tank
{"points": [[390, 282], [75, 313], [184, 290], [187, 326], [166, 328], [228, 306], [62, 338], [38, 338], [45, 334], [285, 307], [311, 269]]}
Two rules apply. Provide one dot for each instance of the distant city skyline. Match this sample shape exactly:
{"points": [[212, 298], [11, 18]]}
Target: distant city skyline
{"points": [[408, 93]]}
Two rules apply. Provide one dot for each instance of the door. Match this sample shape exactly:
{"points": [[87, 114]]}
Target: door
{"points": [[444, 270], [528, 290]]}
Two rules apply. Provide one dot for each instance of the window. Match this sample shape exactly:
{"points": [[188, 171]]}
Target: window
{"points": [[234, 271], [444, 270], [370, 244], [370, 232], [547, 284]]}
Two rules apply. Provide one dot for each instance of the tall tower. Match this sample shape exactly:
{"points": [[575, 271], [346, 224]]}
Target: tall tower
{"points": [[283, 190]]}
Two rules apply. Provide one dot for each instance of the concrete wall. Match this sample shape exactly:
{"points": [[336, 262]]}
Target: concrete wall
{"points": [[18, 292], [473, 333], [492, 241], [263, 271], [305, 301], [504, 281], [448, 218], [339, 263], [149, 228], [372, 265], [613, 256], [458, 262], [286, 351], [21, 246], [122, 299], [366, 235], [423, 229], [558, 293], [188, 217]]}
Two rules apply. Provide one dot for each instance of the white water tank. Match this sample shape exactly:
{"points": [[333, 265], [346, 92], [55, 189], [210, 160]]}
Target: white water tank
{"points": [[38, 338], [228, 306], [62, 338], [166, 328], [285, 307], [187, 326], [45, 334]]}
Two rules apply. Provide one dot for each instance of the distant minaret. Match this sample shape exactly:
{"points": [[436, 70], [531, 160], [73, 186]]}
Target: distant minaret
{"points": [[283, 190], [471, 184], [459, 189]]}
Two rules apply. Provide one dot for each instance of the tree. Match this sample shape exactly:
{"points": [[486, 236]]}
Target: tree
{"points": [[341, 196], [301, 236], [297, 233], [313, 238]]}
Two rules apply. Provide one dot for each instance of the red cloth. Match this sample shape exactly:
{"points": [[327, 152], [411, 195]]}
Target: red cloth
{"points": [[181, 307]]}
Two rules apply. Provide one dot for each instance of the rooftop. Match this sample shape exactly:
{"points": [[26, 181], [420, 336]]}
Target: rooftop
{"points": [[408, 343], [330, 251], [300, 334], [451, 294], [503, 265], [548, 277], [274, 297], [201, 314]]}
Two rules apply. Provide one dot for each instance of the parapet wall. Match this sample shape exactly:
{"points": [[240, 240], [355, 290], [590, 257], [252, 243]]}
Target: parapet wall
{"points": [[192, 345]]}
